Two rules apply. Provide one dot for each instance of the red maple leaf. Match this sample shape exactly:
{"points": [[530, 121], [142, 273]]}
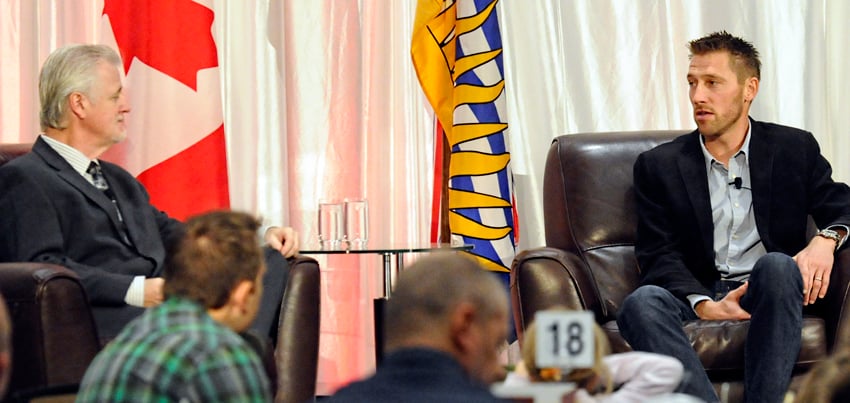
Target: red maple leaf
{"points": [[172, 36]]}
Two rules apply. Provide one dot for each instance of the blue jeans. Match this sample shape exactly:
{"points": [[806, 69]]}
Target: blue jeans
{"points": [[651, 319]]}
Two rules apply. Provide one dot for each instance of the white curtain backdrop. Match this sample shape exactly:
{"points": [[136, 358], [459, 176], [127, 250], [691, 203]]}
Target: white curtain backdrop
{"points": [[320, 101]]}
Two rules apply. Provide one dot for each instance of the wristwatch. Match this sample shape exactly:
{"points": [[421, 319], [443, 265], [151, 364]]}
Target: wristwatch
{"points": [[831, 234]]}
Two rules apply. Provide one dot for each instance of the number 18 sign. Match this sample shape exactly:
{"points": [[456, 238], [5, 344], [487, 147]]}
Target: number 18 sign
{"points": [[564, 339]]}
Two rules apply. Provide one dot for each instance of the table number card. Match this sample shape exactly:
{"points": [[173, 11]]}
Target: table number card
{"points": [[564, 339]]}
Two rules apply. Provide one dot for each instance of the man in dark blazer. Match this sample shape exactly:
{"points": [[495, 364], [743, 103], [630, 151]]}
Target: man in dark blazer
{"points": [[62, 205], [444, 327], [722, 219]]}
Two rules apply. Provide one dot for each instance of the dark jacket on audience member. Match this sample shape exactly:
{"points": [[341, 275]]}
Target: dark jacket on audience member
{"points": [[416, 375]]}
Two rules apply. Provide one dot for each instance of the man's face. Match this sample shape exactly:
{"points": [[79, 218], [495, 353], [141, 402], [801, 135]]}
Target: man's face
{"points": [[253, 304], [107, 106], [491, 332], [718, 98]]}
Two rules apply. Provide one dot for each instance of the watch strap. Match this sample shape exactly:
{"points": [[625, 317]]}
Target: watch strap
{"points": [[831, 234]]}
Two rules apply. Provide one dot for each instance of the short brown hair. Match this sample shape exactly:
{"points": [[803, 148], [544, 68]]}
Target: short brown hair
{"points": [[218, 250], [745, 58]]}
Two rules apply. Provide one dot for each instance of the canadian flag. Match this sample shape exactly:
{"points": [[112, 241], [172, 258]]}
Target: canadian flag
{"points": [[175, 139]]}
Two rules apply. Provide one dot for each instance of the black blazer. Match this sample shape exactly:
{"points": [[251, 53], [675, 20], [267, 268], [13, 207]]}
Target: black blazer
{"points": [[790, 180], [50, 213]]}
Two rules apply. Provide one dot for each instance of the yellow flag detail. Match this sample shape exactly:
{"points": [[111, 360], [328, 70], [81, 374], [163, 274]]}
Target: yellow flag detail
{"points": [[463, 133], [474, 164], [466, 227], [465, 199]]}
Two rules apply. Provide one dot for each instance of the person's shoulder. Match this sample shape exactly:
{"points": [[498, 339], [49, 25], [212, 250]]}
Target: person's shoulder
{"points": [[778, 132], [673, 147], [27, 173], [26, 163], [381, 390], [788, 138], [359, 391]]}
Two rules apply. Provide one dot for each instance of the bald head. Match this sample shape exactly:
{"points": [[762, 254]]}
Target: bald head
{"points": [[428, 290], [448, 302]]}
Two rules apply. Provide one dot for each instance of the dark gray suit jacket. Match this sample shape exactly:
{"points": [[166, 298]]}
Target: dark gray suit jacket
{"points": [[790, 181], [50, 213]]}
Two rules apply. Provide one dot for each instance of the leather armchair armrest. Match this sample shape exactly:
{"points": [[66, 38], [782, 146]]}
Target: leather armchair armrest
{"points": [[54, 335], [297, 351], [835, 308], [544, 277]]}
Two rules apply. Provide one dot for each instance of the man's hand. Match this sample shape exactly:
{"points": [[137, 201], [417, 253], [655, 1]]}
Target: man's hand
{"points": [[727, 308], [815, 263], [153, 291], [283, 239]]}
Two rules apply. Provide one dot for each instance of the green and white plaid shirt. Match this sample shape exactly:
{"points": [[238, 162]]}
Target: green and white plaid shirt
{"points": [[176, 352]]}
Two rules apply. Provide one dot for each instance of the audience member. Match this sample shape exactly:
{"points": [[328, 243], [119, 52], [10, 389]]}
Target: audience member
{"points": [[62, 205], [187, 348], [624, 377], [5, 347], [444, 327], [722, 224], [828, 381]]}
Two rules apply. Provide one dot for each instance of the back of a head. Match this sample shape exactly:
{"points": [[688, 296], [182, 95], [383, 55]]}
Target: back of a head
{"points": [[218, 251], [69, 69], [427, 292], [828, 381]]}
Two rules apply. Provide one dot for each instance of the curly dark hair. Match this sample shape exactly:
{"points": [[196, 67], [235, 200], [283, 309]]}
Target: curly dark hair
{"points": [[745, 58], [218, 251]]}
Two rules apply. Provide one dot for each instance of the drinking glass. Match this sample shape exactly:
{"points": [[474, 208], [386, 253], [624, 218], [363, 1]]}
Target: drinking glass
{"points": [[330, 224], [356, 223]]}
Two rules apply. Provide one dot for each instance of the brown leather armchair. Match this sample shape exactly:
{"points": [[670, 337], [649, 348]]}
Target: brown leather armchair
{"points": [[588, 262], [297, 352], [53, 332], [55, 338]]}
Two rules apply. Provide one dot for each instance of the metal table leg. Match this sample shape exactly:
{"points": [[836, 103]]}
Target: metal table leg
{"points": [[388, 273]]}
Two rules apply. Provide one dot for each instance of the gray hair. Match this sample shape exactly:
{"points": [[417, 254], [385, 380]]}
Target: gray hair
{"points": [[68, 69], [427, 292]]}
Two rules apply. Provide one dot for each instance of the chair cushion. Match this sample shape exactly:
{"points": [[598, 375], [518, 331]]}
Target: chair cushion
{"points": [[720, 344]]}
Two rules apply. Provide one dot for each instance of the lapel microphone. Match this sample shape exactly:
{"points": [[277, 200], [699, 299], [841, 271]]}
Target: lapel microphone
{"points": [[738, 182]]}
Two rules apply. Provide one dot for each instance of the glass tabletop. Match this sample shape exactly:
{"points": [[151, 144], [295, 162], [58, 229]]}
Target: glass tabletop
{"points": [[314, 248]]}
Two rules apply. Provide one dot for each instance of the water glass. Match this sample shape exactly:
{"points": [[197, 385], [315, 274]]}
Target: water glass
{"points": [[330, 224], [356, 223]]}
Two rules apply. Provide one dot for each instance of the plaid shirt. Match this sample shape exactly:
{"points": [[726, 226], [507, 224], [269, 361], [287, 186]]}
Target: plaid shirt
{"points": [[176, 352]]}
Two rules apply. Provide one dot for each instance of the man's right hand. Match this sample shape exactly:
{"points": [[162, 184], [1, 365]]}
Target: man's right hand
{"points": [[728, 308], [153, 291]]}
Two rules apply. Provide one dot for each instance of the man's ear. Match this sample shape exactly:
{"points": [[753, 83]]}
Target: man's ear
{"points": [[241, 294], [77, 104], [751, 88], [460, 324]]}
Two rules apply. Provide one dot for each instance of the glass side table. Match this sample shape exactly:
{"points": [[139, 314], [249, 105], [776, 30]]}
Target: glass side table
{"points": [[390, 253]]}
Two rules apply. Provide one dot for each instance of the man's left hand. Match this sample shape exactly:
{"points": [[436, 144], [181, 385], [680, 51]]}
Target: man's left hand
{"points": [[815, 263], [283, 239]]}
